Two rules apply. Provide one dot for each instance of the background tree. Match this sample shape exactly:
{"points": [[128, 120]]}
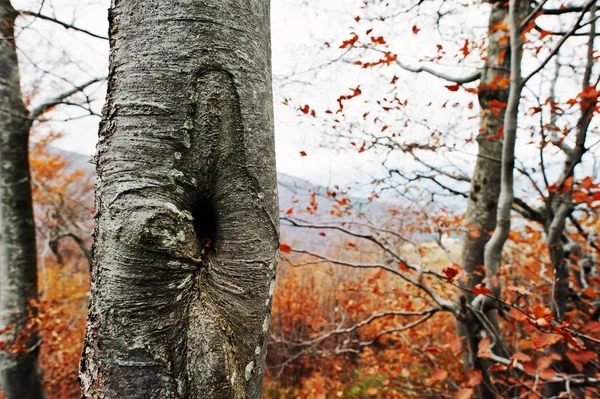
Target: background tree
{"points": [[482, 281], [20, 376], [186, 234], [19, 370]]}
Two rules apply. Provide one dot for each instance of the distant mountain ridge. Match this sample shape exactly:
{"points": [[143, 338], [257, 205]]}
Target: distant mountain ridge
{"points": [[288, 186]]}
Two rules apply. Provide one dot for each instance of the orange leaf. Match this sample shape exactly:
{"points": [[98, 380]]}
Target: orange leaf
{"points": [[475, 233], [545, 361], [541, 340], [521, 357], [465, 393], [415, 30], [547, 374], [590, 293], [483, 349], [580, 358], [517, 315], [438, 375], [455, 345], [475, 378]]}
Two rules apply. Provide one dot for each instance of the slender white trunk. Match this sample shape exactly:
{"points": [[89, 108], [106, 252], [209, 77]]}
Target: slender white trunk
{"points": [[493, 249]]}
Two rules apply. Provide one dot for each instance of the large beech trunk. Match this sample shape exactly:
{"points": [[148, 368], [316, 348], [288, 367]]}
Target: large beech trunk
{"points": [[20, 377], [186, 237]]}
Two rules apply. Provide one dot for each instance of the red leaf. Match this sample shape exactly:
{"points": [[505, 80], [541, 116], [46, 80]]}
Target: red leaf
{"points": [[498, 134], [350, 42], [303, 153], [285, 248], [481, 290], [415, 30], [450, 272], [378, 40], [453, 87]]}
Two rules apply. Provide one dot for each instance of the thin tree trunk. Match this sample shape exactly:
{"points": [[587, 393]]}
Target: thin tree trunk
{"points": [[493, 249], [186, 237], [560, 205], [480, 218], [20, 375]]}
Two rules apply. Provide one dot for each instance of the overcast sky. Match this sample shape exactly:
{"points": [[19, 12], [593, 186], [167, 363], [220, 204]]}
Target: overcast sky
{"points": [[53, 59]]}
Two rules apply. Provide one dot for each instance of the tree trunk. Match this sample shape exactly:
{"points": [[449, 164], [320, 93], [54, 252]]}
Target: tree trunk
{"points": [[480, 218], [20, 375], [560, 206], [187, 232]]}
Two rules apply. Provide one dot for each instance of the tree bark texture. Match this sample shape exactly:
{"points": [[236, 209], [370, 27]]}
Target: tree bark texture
{"points": [[187, 232], [485, 183], [20, 376], [480, 218], [494, 247]]}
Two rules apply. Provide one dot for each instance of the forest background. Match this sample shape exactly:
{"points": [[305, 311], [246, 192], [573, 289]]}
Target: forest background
{"points": [[381, 110]]}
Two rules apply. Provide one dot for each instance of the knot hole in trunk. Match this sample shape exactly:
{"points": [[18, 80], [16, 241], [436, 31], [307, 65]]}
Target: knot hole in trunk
{"points": [[205, 222]]}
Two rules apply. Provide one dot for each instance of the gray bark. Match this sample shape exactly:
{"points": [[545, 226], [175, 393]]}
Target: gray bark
{"points": [[485, 186], [186, 237], [560, 205], [20, 376], [493, 249]]}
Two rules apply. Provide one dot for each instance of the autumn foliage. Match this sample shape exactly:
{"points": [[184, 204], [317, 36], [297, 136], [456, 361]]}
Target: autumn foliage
{"points": [[338, 331], [370, 288]]}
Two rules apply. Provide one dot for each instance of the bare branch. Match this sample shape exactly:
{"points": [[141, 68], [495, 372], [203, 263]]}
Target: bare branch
{"points": [[61, 23], [562, 10], [562, 41], [533, 13], [36, 112], [80, 242], [438, 74], [455, 79]]}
